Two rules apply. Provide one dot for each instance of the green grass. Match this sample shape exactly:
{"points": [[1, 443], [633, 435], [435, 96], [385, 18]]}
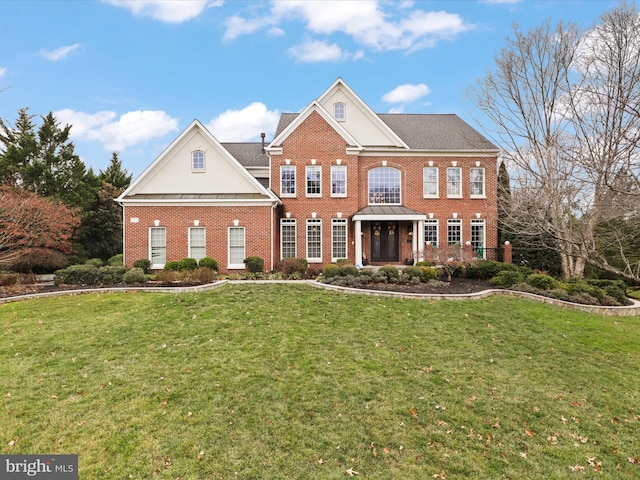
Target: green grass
{"points": [[291, 382]]}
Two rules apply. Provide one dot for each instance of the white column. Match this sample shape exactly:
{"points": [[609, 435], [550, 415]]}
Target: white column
{"points": [[420, 240], [414, 243], [358, 241]]}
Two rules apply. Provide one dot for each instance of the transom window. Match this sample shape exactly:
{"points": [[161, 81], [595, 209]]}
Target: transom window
{"points": [[339, 111], [197, 244], [338, 180], [314, 181], [430, 182], [158, 246], [454, 182], [314, 240], [431, 232], [197, 161], [288, 238], [288, 180], [454, 231], [384, 185], [338, 239], [477, 182]]}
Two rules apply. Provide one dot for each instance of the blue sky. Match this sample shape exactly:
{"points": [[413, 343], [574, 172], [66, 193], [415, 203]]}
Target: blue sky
{"points": [[131, 75]]}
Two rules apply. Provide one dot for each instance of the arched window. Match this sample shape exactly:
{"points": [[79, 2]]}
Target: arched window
{"points": [[384, 185], [197, 161]]}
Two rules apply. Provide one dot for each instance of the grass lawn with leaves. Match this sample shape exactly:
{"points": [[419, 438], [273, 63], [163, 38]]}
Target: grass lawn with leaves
{"points": [[286, 381]]}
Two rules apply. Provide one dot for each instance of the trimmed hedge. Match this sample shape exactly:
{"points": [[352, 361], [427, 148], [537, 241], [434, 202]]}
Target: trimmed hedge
{"points": [[254, 264], [209, 262], [143, 264]]}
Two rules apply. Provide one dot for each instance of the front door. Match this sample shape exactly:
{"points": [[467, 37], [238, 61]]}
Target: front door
{"points": [[384, 242]]}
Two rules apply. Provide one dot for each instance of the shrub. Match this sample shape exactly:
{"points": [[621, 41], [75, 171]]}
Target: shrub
{"points": [[486, 269], [40, 260], [95, 261], [209, 262], [542, 281], [613, 288], [412, 272], [346, 269], [200, 275], [507, 278], [254, 264], [8, 279], [331, 271], [116, 260], [110, 274], [429, 273], [343, 261], [135, 275], [295, 276], [173, 266], [580, 288], [188, 264], [391, 272], [143, 264], [167, 277], [425, 263], [289, 266], [76, 275]]}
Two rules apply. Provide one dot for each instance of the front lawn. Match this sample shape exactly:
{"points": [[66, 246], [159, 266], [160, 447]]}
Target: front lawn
{"points": [[286, 381]]}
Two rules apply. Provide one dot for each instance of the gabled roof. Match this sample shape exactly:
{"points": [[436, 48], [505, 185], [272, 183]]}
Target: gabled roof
{"points": [[249, 154]]}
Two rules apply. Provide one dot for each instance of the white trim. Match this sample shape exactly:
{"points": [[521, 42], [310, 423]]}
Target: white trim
{"points": [[388, 217]]}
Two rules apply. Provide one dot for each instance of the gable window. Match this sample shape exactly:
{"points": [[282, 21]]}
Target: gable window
{"points": [[197, 245], [477, 182], [454, 231], [288, 238], [338, 239], [197, 161], [384, 185], [314, 183], [430, 182], [158, 246], [288, 180], [338, 180], [340, 111], [237, 247], [431, 232], [314, 240], [478, 237], [454, 182]]}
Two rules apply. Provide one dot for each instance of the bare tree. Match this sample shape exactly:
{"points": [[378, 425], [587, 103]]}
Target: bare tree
{"points": [[565, 106]]}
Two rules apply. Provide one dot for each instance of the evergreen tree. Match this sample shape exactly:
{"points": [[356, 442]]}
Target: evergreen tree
{"points": [[115, 175]]}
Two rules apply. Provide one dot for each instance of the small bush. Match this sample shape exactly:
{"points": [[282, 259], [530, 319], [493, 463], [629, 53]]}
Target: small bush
{"points": [[425, 263], [542, 281], [167, 277], [486, 269], [209, 262], [613, 288], [110, 275], [188, 264], [295, 276], [143, 264], [289, 266], [343, 261], [173, 266], [330, 271], [200, 275], [507, 278], [412, 272], [254, 264], [95, 261], [76, 275], [429, 273], [116, 260], [391, 272], [8, 279], [135, 275], [347, 269]]}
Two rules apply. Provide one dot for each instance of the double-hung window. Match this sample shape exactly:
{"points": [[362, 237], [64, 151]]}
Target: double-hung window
{"points": [[314, 240], [338, 180], [237, 247], [477, 182], [338, 239], [197, 161], [288, 238], [431, 232], [158, 246], [430, 182], [197, 243], [478, 237], [314, 181], [288, 181], [454, 231], [454, 182]]}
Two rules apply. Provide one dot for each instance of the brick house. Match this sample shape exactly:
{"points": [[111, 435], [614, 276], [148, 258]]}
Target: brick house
{"points": [[337, 181]]}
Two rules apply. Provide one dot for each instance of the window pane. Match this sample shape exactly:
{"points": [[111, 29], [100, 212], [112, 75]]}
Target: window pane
{"points": [[431, 232], [384, 185], [338, 238], [197, 160], [314, 174], [477, 237], [158, 244], [477, 181], [430, 182], [314, 239], [454, 182], [288, 238], [338, 180], [236, 246], [197, 242], [454, 232], [288, 180], [339, 111]]}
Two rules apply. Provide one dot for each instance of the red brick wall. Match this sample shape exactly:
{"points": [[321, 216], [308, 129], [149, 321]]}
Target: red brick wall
{"points": [[216, 220]]}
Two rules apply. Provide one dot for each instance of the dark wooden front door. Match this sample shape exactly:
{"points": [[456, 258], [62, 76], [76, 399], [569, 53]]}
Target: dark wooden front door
{"points": [[384, 242]]}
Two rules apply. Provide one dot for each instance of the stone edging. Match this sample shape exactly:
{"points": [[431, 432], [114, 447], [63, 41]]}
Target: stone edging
{"points": [[626, 311]]}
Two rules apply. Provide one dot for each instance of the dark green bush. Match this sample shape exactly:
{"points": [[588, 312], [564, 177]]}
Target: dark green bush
{"points": [[110, 275], [76, 275], [542, 281], [135, 275], [330, 271], [254, 264], [412, 272], [391, 272], [143, 264], [188, 264], [507, 278], [347, 269], [429, 273], [173, 266], [486, 269], [580, 288], [209, 262], [613, 288], [289, 266], [116, 260]]}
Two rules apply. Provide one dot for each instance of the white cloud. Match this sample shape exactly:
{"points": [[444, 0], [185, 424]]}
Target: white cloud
{"points": [[168, 11], [237, 26], [316, 51], [59, 53], [406, 93], [244, 125], [113, 133], [3, 70]]}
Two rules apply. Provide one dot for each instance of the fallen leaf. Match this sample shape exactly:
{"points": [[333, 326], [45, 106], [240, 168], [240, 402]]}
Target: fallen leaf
{"points": [[577, 468], [200, 455], [529, 432], [352, 472], [414, 412], [635, 461], [12, 443]]}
